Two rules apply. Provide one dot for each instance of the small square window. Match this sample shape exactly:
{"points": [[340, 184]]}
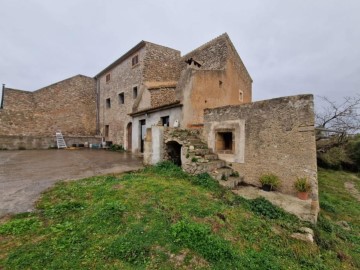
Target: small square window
{"points": [[135, 60], [121, 98], [224, 142], [241, 96], [108, 103], [108, 77], [135, 92], [165, 121], [106, 130]]}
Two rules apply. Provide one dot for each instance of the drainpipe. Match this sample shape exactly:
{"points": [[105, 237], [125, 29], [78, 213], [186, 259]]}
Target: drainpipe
{"points": [[2, 96]]}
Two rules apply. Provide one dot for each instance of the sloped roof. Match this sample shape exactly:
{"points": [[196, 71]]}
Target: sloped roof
{"points": [[211, 55]]}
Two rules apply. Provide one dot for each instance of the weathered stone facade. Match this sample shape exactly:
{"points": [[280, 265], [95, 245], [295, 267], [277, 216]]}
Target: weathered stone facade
{"points": [[162, 96], [279, 138], [14, 142], [127, 89], [69, 106]]}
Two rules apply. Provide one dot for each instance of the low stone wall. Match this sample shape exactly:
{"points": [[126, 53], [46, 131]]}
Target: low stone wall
{"points": [[279, 138], [38, 142]]}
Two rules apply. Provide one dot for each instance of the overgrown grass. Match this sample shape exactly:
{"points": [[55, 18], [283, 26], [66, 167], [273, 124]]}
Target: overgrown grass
{"points": [[162, 218]]}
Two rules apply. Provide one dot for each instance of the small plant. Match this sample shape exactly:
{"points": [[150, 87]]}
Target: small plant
{"points": [[302, 185], [194, 159], [265, 208], [205, 180], [117, 148], [269, 181], [235, 174]]}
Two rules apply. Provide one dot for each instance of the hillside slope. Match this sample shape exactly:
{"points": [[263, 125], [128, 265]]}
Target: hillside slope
{"points": [[162, 218]]}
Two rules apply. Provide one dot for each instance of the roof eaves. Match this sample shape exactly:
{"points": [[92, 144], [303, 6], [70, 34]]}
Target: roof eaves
{"points": [[155, 109]]}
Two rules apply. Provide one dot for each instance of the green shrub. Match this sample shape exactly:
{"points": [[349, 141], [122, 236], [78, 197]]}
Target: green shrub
{"points": [[205, 180], [302, 185], [353, 148], [117, 148], [194, 159], [335, 158], [235, 174], [327, 207], [265, 208], [270, 179]]}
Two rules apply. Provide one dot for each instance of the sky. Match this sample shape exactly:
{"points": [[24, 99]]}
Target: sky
{"points": [[288, 46]]}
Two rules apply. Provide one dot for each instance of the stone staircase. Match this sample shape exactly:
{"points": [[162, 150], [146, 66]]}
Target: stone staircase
{"points": [[201, 159]]}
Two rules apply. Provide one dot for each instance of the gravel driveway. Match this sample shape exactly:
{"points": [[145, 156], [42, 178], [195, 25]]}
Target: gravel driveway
{"points": [[25, 174]]}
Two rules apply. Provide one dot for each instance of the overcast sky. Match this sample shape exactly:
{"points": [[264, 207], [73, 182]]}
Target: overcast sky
{"points": [[288, 46]]}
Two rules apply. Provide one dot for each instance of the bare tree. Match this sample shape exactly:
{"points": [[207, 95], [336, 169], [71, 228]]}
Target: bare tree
{"points": [[340, 118]]}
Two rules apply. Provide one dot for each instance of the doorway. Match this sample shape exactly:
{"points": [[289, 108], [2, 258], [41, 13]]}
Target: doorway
{"points": [[173, 151], [129, 136], [142, 134]]}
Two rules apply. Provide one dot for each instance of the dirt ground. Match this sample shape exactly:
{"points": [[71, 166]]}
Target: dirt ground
{"points": [[25, 174]]}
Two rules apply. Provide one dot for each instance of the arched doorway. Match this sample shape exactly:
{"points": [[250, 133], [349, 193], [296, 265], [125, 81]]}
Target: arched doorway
{"points": [[173, 151], [129, 136]]}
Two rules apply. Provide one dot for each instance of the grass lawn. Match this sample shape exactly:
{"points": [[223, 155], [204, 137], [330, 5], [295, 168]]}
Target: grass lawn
{"points": [[162, 218]]}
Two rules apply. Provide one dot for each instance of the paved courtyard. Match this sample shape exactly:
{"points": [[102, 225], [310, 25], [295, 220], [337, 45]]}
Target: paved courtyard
{"points": [[25, 174]]}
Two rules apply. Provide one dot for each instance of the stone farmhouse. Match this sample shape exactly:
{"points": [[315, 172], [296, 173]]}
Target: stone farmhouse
{"points": [[194, 109], [152, 83]]}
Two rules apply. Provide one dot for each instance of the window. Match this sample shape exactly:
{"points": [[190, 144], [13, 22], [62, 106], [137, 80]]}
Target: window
{"points": [[165, 121], [135, 60], [108, 77], [135, 92], [224, 142], [108, 103], [106, 130], [241, 96], [121, 98]]}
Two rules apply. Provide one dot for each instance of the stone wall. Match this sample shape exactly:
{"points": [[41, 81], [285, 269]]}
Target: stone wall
{"points": [[18, 100], [161, 64], [162, 96], [123, 78], [279, 139], [69, 106], [42, 142]]}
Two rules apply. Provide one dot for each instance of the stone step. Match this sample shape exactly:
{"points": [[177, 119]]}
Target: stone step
{"points": [[200, 145], [214, 165], [231, 182], [202, 152], [221, 173], [195, 140], [211, 156]]}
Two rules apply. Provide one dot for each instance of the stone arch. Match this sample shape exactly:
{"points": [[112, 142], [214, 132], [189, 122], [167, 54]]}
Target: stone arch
{"points": [[173, 152]]}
